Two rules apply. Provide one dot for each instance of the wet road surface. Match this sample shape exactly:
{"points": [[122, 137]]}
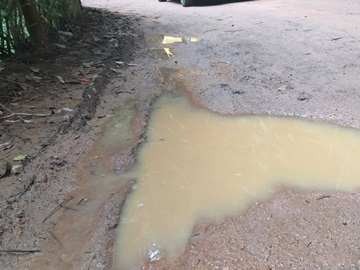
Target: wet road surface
{"points": [[264, 56]]}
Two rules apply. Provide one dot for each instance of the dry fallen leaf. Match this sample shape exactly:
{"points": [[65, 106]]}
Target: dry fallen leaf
{"points": [[60, 45], [65, 111], [66, 34], [33, 78], [19, 158], [116, 70], [34, 69], [60, 79]]}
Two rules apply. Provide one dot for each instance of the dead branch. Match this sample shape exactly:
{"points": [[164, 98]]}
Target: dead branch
{"points": [[20, 250]]}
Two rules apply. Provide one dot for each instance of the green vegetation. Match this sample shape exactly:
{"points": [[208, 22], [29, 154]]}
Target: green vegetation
{"points": [[25, 23]]}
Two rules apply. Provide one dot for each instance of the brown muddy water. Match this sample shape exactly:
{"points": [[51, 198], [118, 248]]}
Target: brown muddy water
{"points": [[200, 165]]}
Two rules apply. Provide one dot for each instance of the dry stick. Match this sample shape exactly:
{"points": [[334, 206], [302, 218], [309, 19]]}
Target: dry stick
{"points": [[27, 114], [68, 208], [20, 250], [12, 121], [80, 201], [93, 258], [27, 187], [56, 209], [6, 108]]}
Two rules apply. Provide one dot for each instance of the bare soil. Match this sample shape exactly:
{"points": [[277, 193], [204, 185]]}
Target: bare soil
{"points": [[49, 114]]}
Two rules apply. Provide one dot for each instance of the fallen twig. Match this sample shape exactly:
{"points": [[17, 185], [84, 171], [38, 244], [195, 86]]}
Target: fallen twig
{"points": [[6, 108], [27, 114], [235, 30], [20, 250], [334, 39], [26, 188], [80, 201], [323, 197], [57, 209], [12, 121], [68, 208], [92, 259]]}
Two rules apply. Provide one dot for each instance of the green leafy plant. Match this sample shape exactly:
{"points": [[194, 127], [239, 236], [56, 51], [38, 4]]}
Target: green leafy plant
{"points": [[25, 22]]}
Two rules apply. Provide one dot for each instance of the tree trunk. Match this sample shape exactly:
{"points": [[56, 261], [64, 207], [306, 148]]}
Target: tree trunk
{"points": [[33, 21], [72, 9]]}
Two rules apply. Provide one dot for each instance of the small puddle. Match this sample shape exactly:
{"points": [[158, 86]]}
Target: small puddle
{"points": [[162, 54], [200, 165], [162, 39], [165, 53], [118, 128]]}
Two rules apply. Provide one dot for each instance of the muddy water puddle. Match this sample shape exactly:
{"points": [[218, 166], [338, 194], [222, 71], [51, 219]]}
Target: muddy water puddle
{"points": [[199, 165], [162, 54], [165, 52], [165, 39]]}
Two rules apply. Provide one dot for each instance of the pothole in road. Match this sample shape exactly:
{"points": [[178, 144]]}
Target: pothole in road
{"points": [[200, 165]]}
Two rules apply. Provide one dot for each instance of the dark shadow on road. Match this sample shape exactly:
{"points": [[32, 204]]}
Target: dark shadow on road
{"points": [[201, 3]]}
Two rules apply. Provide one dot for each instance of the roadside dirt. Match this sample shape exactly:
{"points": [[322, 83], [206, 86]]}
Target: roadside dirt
{"points": [[249, 59], [53, 107]]}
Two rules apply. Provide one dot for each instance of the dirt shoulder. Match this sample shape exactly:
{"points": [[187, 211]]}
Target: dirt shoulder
{"points": [[50, 117]]}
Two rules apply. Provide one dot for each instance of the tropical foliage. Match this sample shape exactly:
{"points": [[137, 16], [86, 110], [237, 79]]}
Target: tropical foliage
{"points": [[25, 22]]}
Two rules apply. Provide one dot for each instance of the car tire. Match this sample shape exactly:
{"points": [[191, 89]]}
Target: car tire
{"points": [[162, 0], [186, 3]]}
